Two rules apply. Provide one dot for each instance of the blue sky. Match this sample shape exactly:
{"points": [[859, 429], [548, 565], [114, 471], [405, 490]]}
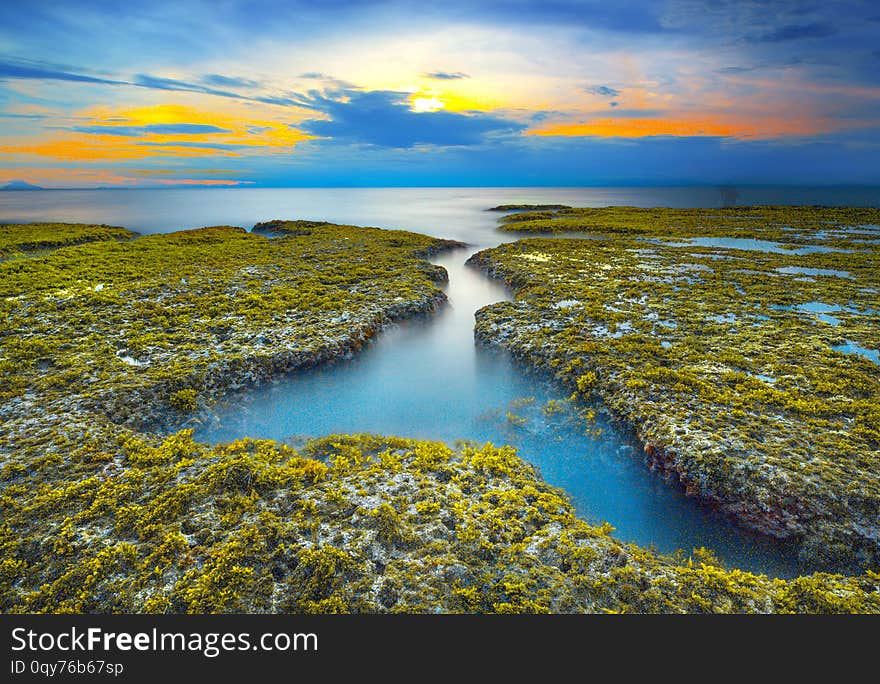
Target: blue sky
{"points": [[512, 92]]}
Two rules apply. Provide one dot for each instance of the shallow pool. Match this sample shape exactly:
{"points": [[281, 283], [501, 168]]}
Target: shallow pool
{"points": [[751, 244], [427, 379]]}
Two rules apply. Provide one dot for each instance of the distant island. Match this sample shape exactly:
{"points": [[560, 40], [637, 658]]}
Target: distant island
{"points": [[20, 185]]}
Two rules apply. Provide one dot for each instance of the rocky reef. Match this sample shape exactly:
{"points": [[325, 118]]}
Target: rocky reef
{"points": [[529, 207], [147, 332], [738, 342], [26, 238], [108, 348], [348, 523]]}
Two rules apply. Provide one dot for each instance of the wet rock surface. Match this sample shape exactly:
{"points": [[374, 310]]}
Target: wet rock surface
{"points": [[108, 345], [715, 355]]}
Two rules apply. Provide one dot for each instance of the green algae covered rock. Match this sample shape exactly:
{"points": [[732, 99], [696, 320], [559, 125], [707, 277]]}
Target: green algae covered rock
{"points": [[147, 331], [347, 523], [18, 238], [726, 355], [106, 345], [530, 207], [744, 222]]}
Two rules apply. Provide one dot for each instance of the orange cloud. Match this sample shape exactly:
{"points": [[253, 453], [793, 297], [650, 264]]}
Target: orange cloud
{"points": [[91, 148], [235, 136], [200, 181], [686, 127]]}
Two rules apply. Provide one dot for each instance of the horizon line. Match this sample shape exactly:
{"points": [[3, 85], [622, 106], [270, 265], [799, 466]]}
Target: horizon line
{"points": [[242, 186]]}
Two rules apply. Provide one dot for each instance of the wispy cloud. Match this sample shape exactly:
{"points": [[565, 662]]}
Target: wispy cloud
{"points": [[633, 113], [197, 145], [153, 129], [446, 75], [222, 81], [796, 32], [39, 71], [8, 115], [175, 85], [602, 90], [160, 83]]}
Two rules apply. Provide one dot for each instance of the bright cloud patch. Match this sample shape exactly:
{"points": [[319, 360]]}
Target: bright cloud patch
{"points": [[388, 119]]}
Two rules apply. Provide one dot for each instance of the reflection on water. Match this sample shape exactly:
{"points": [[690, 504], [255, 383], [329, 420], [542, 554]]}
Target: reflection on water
{"points": [[800, 270], [850, 347], [750, 244]]}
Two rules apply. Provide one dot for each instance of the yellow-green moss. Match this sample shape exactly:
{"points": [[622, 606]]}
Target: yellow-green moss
{"points": [[18, 238], [100, 515], [713, 354], [350, 523]]}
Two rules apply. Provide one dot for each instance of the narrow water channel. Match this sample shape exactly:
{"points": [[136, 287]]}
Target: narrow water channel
{"points": [[427, 379]]}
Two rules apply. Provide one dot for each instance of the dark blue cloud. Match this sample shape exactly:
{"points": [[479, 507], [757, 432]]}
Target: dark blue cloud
{"points": [[384, 118], [622, 16], [160, 129], [9, 115], [796, 32], [275, 100], [826, 40], [36, 70], [229, 81], [445, 75], [174, 85], [602, 90], [160, 83], [41, 71], [30, 70], [21, 70]]}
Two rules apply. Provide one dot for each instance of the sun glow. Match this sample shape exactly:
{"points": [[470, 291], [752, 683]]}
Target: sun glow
{"points": [[429, 103]]}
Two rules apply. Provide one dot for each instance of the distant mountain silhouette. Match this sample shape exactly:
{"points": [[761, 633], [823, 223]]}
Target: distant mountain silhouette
{"points": [[20, 185]]}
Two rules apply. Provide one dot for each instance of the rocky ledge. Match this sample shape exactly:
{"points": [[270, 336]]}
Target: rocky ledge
{"points": [[347, 523], [737, 344], [101, 514]]}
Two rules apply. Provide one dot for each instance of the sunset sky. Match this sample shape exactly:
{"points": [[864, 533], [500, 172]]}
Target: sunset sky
{"points": [[503, 92]]}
